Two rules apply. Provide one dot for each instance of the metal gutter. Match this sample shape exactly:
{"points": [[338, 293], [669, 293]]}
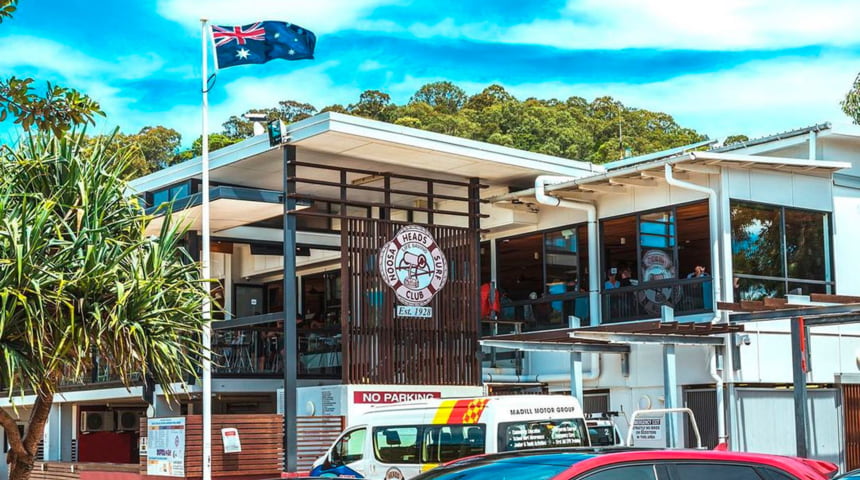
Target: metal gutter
{"points": [[661, 154], [772, 138], [658, 164]]}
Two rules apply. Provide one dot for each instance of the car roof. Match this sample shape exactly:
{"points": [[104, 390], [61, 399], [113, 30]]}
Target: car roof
{"points": [[803, 467], [586, 458]]}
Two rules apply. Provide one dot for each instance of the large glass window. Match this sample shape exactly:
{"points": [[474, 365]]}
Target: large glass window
{"points": [[778, 250], [657, 258], [542, 277], [443, 443]]}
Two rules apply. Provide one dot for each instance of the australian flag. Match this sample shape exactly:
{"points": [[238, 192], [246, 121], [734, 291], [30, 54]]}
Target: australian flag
{"points": [[261, 42]]}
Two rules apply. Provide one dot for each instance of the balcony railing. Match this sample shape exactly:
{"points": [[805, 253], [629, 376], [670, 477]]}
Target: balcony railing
{"points": [[639, 302], [260, 350], [546, 312]]}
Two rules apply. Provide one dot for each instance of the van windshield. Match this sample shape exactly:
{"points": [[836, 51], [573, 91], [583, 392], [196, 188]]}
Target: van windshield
{"points": [[569, 432]]}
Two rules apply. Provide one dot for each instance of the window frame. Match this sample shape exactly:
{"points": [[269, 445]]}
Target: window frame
{"points": [[673, 209], [830, 286]]}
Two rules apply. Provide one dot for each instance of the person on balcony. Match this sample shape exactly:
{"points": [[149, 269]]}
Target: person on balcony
{"points": [[697, 272], [611, 280]]}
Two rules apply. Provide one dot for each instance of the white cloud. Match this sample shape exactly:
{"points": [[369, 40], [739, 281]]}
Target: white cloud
{"points": [[319, 16], [670, 24], [369, 65]]}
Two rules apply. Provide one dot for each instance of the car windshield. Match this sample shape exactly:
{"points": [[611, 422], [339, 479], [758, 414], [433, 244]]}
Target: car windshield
{"points": [[601, 436], [532, 467]]}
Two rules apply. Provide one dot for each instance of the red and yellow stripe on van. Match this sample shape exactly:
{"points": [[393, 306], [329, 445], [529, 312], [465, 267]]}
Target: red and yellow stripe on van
{"points": [[456, 412]]}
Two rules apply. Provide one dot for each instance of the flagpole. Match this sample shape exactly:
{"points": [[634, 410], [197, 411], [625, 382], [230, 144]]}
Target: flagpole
{"points": [[207, 317]]}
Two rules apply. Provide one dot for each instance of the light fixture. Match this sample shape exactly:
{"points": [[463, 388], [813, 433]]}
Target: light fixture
{"points": [[622, 241]]}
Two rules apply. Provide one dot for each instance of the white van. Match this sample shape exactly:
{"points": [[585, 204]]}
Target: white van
{"points": [[397, 442]]}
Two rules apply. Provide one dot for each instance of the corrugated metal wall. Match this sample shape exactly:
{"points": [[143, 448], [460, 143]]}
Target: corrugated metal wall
{"points": [[595, 402], [766, 422], [703, 403]]}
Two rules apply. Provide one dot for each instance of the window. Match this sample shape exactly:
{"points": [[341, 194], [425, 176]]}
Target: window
{"points": [[350, 448], [443, 443], [396, 444], [711, 471], [541, 433], [627, 472], [778, 250], [171, 193], [542, 277]]}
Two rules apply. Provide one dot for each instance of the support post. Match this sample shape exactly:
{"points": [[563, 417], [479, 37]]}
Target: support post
{"points": [[576, 376], [290, 311], [670, 392], [801, 416]]}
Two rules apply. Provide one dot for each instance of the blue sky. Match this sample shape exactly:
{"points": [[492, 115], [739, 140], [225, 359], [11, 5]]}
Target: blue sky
{"points": [[722, 67]]}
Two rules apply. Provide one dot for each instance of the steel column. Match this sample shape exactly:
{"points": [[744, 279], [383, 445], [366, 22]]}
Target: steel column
{"points": [[801, 415], [670, 392], [290, 312]]}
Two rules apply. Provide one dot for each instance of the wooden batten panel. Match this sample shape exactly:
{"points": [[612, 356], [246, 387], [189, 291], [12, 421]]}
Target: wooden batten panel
{"points": [[261, 437]]}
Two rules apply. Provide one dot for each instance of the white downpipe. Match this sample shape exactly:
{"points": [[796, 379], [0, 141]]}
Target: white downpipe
{"points": [[714, 231], [591, 212], [721, 413]]}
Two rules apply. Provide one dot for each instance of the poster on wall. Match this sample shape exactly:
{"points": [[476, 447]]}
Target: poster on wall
{"points": [[165, 447]]}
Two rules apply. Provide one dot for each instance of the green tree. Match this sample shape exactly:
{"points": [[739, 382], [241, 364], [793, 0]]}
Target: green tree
{"points": [[851, 103], [159, 146], [444, 97], [732, 139], [56, 108], [373, 104], [79, 275], [216, 141]]}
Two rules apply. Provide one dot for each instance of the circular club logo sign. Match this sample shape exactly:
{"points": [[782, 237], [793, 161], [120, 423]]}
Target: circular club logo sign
{"points": [[413, 265]]}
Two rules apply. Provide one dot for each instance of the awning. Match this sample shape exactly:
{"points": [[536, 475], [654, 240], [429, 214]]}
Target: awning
{"points": [[614, 338], [229, 207]]}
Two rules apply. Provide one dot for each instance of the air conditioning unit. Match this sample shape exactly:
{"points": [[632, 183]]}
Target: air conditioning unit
{"points": [[96, 422], [128, 420]]}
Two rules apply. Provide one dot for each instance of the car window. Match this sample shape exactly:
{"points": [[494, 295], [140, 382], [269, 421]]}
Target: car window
{"points": [[443, 443], [396, 444], [772, 474], [542, 433], [624, 472], [712, 471], [350, 448]]}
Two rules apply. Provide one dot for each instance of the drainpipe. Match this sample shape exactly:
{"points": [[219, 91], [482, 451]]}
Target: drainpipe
{"points": [[717, 375], [713, 217], [714, 231], [593, 274]]}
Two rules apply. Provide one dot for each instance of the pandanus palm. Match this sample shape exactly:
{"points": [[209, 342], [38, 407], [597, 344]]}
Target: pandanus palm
{"points": [[79, 275]]}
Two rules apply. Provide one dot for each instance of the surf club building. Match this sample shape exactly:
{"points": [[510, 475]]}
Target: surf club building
{"points": [[381, 263]]}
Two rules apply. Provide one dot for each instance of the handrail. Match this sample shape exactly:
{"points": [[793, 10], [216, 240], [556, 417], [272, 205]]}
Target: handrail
{"points": [[663, 411]]}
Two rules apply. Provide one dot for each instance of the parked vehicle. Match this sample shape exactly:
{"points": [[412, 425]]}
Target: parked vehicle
{"points": [[569, 464], [401, 440], [602, 431]]}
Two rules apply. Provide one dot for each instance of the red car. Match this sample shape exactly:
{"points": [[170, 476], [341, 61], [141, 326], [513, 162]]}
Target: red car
{"points": [[631, 465]]}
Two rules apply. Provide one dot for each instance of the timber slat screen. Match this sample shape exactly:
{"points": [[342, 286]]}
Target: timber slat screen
{"points": [[851, 411], [261, 437], [74, 471], [369, 208], [316, 434]]}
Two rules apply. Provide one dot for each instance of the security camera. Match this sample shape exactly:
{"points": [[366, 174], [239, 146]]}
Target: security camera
{"points": [[743, 339]]}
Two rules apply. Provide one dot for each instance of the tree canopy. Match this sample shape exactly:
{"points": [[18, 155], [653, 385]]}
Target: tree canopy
{"points": [[851, 103], [598, 131], [56, 108]]}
